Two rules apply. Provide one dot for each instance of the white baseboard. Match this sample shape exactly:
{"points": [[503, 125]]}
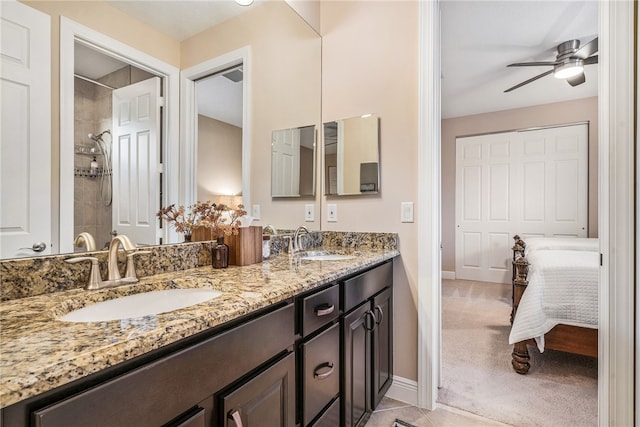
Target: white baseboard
{"points": [[403, 390], [449, 275]]}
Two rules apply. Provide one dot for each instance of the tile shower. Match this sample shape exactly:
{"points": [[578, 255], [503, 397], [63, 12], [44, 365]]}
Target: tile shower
{"points": [[93, 115]]}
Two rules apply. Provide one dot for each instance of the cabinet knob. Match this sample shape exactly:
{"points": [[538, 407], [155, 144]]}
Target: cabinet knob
{"points": [[323, 375], [324, 309], [235, 416]]}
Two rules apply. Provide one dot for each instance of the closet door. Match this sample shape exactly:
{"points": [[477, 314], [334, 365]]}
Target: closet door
{"points": [[531, 183], [485, 217]]}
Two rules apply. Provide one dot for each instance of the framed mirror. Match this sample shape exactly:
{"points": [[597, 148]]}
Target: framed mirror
{"points": [[352, 156], [293, 159]]}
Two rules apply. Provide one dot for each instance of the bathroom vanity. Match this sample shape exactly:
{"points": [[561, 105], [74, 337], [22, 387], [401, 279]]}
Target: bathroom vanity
{"points": [[288, 343]]}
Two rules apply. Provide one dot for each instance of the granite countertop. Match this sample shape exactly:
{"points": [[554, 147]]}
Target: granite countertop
{"points": [[39, 353]]}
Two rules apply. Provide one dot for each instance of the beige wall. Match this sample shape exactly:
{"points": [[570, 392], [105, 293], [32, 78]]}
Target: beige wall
{"points": [[542, 115], [370, 65], [285, 90], [219, 158]]}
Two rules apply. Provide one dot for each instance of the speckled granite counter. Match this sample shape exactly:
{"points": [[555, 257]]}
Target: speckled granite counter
{"points": [[39, 352]]}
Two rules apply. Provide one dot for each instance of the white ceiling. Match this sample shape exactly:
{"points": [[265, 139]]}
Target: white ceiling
{"points": [[479, 38], [182, 19], [220, 99]]}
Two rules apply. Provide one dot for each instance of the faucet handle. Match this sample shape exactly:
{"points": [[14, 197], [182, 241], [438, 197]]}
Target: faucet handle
{"points": [[130, 272], [95, 280]]}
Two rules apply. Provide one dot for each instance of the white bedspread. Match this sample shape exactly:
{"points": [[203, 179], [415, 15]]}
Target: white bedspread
{"points": [[563, 289], [561, 243]]}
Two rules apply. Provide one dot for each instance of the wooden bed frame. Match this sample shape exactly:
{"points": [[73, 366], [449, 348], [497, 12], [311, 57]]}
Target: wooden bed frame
{"points": [[570, 339]]}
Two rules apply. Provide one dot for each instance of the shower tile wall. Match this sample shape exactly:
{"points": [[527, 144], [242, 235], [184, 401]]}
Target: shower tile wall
{"points": [[92, 111]]}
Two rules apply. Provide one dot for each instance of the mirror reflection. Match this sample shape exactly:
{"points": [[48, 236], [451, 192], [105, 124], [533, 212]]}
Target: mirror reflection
{"points": [[277, 41], [293, 162], [219, 154], [352, 156]]}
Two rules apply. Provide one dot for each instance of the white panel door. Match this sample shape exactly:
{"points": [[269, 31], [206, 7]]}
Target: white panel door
{"points": [[555, 182], [484, 207], [285, 163], [531, 183], [136, 161], [25, 135]]}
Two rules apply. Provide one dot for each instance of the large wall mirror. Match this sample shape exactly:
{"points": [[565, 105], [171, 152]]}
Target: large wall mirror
{"points": [[280, 99], [352, 156]]}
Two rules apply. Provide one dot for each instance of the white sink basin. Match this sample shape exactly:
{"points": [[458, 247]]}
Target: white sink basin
{"points": [[139, 305], [324, 256]]}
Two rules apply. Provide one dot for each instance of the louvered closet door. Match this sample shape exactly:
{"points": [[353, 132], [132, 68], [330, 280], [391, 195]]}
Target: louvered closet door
{"points": [[528, 183]]}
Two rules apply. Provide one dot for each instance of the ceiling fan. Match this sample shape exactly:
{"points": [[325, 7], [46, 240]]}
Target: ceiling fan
{"points": [[569, 63]]}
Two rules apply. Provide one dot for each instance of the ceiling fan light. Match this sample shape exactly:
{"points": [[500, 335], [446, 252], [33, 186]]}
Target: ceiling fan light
{"points": [[568, 69]]}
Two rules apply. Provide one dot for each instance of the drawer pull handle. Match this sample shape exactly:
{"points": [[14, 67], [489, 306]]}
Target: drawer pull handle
{"points": [[324, 375], [235, 416], [324, 309]]}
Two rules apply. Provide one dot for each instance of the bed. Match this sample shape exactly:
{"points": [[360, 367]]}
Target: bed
{"points": [[555, 297]]}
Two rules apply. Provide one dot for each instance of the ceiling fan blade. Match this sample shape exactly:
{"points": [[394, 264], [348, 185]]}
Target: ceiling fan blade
{"points": [[546, 73], [588, 49], [591, 60], [576, 80], [533, 64]]}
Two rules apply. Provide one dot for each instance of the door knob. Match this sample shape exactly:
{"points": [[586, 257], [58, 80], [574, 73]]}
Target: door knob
{"points": [[37, 247]]}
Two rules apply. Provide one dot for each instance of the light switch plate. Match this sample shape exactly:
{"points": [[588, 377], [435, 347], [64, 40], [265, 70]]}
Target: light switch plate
{"points": [[406, 212], [255, 211], [309, 213], [332, 213]]}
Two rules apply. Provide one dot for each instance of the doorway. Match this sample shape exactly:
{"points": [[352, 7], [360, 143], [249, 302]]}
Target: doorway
{"points": [[130, 65], [616, 26]]}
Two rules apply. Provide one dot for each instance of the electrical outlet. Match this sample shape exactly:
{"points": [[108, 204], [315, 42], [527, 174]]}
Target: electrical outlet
{"points": [[332, 213], [255, 211], [406, 212], [309, 213]]}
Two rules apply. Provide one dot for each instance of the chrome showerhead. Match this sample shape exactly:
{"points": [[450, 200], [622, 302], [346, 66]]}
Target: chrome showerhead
{"points": [[98, 137]]}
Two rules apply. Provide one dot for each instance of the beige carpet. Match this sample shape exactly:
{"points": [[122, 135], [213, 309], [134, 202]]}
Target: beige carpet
{"points": [[559, 390]]}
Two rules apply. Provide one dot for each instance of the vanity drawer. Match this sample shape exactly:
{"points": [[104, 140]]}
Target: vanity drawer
{"points": [[321, 371], [320, 308], [363, 286]]}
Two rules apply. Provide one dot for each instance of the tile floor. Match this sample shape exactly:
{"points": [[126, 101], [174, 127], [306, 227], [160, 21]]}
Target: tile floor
{"points": [[443, 416]]}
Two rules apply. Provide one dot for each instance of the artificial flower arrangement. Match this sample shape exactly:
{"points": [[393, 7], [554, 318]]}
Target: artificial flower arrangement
{"points": [[218, 217]]}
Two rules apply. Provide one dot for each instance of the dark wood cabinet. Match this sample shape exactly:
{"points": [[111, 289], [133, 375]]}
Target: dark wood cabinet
{"points": [[356, 371], [382, 343], [367, 335], [266, 399]]}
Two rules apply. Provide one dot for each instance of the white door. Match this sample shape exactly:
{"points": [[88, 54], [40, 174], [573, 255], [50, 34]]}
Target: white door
{"points": [[136, 161], [25, 136], [527, 183], [285, 163]]}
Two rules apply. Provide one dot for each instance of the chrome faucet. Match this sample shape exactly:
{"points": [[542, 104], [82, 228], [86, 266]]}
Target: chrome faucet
{"points": [[297, 243], [112, 266], [85, 239], [269, 229], [113, 273]]}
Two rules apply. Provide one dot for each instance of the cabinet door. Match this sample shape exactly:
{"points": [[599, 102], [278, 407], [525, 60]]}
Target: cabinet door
{"points": [[356, 366], [382, 343], [267, 399]]}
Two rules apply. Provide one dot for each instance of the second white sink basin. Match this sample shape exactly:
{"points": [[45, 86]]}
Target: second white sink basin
{"points": [[143, 304], [324, 256]]}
